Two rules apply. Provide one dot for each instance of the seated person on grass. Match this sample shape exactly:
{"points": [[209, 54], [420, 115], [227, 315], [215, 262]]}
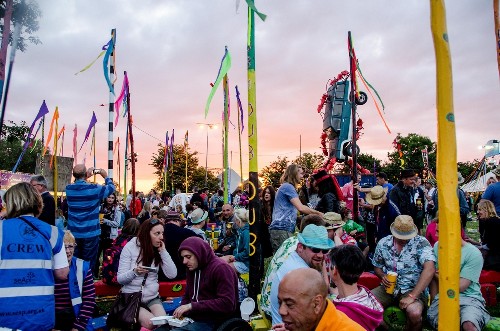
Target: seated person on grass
{"points": [[473, 314], [411, 257], [356, 301]]}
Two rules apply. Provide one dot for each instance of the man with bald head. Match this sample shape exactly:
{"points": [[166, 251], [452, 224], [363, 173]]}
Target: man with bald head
{"points": [[304, 306], [84, 202]]}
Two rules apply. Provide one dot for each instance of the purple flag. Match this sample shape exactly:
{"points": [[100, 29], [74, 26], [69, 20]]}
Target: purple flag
{"points": [[93, 121], [41, 113], [172, 148], [240, 107], [165, 157]]}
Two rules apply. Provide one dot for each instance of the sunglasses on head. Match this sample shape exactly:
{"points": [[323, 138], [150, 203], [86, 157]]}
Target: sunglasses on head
{"points": [[154, 221], [317, 250]]}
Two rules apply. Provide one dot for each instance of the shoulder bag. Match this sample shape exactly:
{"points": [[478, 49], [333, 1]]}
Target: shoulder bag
{"points": [[124, 313]]}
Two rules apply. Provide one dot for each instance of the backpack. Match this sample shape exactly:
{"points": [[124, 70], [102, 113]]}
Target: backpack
{"points": [[111, 259]]}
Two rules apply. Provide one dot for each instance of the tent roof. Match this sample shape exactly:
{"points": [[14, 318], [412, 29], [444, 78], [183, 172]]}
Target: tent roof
{"points": [[478, 184]]}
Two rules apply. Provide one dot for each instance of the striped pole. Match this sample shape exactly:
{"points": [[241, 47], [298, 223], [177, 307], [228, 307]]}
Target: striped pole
{"points": [[449, 249], [111, 105]]}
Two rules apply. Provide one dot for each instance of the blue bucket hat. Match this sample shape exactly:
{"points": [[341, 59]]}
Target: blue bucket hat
{"points": [[316, 237]]}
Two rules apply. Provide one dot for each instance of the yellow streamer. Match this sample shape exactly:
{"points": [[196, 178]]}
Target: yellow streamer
{"points": [[91, 63]]}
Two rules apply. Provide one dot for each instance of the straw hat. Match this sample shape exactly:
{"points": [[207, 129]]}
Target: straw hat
{"points": [[315, 237], [198, 215], [333, 220], [376, 195], [403, 228]]}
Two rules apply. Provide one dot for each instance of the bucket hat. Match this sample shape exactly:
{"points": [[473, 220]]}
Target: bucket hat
{"points": [[333, 220], [198, 215], [316, 237], [376, 195], [403, 228]]}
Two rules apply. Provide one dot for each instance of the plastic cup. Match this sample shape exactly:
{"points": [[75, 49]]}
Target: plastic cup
{"points": [[391, 278]]}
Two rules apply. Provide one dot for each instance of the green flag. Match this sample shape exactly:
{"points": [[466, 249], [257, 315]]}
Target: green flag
{"points": [[224, 68]]}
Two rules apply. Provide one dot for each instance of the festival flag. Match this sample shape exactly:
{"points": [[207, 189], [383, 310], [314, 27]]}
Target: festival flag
{"points": [[122, 98], [223, 69], [105, 63], [92, 123], [166, 153], [251, 4], [41, 113], [172, 148], [54, 118], [75, 153], [59, 135], [186, 138], [240, 107], [92, 63]]}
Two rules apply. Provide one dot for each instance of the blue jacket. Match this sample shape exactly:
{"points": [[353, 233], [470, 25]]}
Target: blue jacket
{"points": [[26, 276], [84, 202], [242, 251]]}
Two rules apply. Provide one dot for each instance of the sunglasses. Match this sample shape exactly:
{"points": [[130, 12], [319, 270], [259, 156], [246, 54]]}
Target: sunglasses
{"points": [[317, 250], [70, 247]]}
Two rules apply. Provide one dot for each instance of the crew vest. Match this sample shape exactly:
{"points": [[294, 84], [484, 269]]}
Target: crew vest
{"points": [[26, 273]]}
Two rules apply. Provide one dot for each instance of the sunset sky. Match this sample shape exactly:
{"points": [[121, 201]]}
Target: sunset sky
{"points": [[172, 51]]}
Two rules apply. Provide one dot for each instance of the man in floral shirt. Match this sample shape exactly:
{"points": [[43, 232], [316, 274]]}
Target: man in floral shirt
{"points": [[411, 257]]}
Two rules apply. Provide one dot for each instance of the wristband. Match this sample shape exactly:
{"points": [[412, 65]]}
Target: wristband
{"points": [[412, 296]]}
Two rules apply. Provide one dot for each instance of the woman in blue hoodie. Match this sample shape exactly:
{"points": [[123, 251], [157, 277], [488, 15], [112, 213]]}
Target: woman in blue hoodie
{"points": [[240, 260]]}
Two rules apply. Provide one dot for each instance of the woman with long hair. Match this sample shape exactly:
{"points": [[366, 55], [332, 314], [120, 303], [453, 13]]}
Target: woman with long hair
{"points": [[286, 205], [110, 217], [489, 227], [240, 260], [139, 261], [268, 195], [145, 213]]}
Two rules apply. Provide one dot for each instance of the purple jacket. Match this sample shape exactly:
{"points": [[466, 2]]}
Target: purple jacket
{"points": [[212, 289]]}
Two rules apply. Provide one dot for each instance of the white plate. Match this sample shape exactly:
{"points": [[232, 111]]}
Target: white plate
{"points": [[160, 320]]}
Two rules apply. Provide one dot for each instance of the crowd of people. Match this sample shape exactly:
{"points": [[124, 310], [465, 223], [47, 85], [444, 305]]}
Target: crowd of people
{"points": [[52, 256]]}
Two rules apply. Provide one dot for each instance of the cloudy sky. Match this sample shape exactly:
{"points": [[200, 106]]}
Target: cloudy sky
{"points": [[172, 51]]}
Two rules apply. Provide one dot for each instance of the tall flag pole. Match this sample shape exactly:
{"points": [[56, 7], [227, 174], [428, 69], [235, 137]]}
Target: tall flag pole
{"points": [[186, 145], [165, 162], [111, 102], [253, 175], [42, 162], [449, 228], [240, 124], [172, 161], [353, 92], [132, 154], [56, 175], [497, 31], [93, 148], [125, 165], [226, 126]]}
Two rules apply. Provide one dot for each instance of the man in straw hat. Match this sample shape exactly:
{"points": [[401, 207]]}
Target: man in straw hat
{"points": [[313, 245], [410, 256], [492, 192], [384, 213]]}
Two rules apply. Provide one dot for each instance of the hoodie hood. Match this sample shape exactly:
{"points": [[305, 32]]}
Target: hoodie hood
{"points": [[368, 317], [200, 248]]}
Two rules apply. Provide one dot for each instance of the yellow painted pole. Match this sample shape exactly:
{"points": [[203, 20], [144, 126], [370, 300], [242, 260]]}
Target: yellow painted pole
{"points": [[449, 219]]}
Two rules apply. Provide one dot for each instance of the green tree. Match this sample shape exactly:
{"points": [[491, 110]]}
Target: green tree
{"points": [[310, 162], [11, 145], [196, 174], [369, 161], [411, 148], [26, 13], [271, 174]]}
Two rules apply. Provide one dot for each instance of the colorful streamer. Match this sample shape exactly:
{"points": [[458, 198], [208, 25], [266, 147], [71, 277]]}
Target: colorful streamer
{"points": [[75, 153], [121, 98], [105, 64], [92, 63], [49, 137], [223, 69], [240, 107], [251, 4], [92, 123], [376, 104]]}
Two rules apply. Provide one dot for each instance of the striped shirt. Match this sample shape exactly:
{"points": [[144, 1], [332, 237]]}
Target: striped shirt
{"points": [[63, 300], [84, 203]]}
